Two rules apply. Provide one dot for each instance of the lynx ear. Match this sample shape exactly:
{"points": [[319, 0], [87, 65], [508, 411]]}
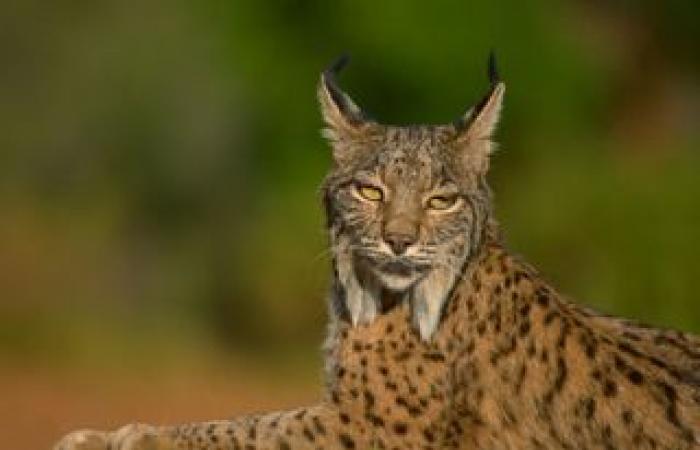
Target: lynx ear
{"points": [[346, 124], [480, 122], [475, 129]]}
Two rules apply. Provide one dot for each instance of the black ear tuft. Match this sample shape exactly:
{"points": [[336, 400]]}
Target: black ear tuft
{"points": [[494, 78], [336, 66], [341, 100], [329, 78]]}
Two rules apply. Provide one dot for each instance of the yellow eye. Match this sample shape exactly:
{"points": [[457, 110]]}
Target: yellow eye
{"points": [[440, 202], [371, 193]]}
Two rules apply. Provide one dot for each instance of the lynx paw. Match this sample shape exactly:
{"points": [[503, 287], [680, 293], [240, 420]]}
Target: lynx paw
{"points": [[83, 440], [129, 437]]}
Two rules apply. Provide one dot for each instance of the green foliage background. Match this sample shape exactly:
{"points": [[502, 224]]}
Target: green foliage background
{"points": [[160, 161]]}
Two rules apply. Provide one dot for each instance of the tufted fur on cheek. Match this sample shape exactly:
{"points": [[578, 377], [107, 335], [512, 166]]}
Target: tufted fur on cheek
{"points": [[428, 299], [358, 294]]}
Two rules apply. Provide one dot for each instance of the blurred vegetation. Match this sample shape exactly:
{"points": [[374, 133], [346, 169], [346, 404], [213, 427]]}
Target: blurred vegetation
{"points": [[160, 161]]}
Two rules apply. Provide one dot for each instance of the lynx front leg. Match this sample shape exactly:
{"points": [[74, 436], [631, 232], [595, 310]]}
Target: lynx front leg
{"points": [[301, 429]]}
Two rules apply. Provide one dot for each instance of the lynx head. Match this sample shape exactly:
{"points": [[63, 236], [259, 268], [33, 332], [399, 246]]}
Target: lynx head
{"points": [[407, 206]]}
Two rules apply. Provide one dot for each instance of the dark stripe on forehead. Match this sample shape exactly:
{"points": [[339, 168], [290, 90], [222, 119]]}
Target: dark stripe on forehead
{"points": [[435, 135]]}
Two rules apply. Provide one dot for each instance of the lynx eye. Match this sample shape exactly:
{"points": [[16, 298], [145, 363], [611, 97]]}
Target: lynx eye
{"points": [[371, 193], [442, 202]]}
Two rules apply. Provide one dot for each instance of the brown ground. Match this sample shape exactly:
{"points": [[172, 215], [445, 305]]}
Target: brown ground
{"points": [[37, 406]]}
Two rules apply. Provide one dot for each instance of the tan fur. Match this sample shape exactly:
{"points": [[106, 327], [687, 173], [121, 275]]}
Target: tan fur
{"points": [[465, 347]]}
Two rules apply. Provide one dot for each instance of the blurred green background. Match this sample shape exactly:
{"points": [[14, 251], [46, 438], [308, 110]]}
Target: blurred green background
{"points": [[162, 249]]}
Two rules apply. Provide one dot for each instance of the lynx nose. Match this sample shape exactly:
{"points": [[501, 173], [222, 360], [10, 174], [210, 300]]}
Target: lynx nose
{"points": [[399, 242]]}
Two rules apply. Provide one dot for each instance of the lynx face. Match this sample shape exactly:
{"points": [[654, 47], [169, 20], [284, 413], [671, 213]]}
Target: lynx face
{"points": [[403, 209], [405, 205]]}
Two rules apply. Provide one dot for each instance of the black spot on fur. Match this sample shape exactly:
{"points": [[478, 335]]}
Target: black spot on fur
{"points": [[550, 316], [635, 377], [374, 419], [609, 388], [524, 328], [346, 441], [589, 407], [308, 434], [627, 417], [400, 428], [434, 356], [320, 429]]}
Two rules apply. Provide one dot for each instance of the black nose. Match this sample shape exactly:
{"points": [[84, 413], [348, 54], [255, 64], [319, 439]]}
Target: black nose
{"points": [[399, 242]]}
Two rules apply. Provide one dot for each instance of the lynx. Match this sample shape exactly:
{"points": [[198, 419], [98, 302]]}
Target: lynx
{"points": [[440, 338]]}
